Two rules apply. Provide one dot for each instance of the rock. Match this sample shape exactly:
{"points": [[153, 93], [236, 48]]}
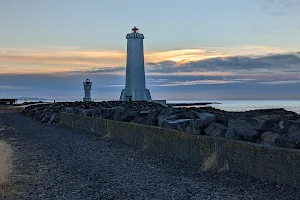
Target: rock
{"points": [[290, 140], [205, 116], [152, 118], [241, 130], [177, 124], [292, 128], [107, 113], [52, 118], [96, 111], [162, 118], [288, 126], [270, 124], [118, 112], [87, 112], [222, 119], [197, 126], [169, 111], [46, 118], [215, 129], [251, 121], [188, 115], [140, 120], [269, 138], [130, 115]]}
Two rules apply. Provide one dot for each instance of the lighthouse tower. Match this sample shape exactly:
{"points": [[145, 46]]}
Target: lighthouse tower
{"points": [[135, 86], [87, 85]]}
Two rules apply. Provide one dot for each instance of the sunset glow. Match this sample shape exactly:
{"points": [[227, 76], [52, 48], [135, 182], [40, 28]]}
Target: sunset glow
{"points": [[64, 59]]}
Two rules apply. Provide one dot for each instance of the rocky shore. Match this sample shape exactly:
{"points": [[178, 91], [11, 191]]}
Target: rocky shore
{"points": [[275, 127]]}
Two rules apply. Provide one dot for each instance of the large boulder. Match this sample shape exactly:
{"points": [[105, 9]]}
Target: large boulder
{"points": [[169, 111], [96, 111], [188, 115], [162, 118], [130, 115], [222, 119], [269, 138], [87, 112], [215, 129], [289, 126], [269, 123], [197, 126], [241, 130], [205, 116], [140, 120], [152, 118], [177, 124], [290, 140], [118, 112], [107, 113], [145, 112]]}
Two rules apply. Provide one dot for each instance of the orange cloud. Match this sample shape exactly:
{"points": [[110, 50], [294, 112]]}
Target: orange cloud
{"points": [[65, 59]]}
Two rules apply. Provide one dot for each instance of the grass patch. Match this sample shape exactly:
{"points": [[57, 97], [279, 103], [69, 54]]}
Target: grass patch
{"points": [[5, 170], [211, 163]]}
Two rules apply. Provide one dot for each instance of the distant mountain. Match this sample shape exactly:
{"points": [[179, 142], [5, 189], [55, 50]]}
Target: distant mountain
{"points": [[30, 98]]}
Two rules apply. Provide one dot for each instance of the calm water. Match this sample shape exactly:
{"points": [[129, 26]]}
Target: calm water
{"points": [[245, 105], [236, 105]]}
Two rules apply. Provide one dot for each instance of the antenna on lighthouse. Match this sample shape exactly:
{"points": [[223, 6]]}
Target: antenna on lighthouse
{"points": [[135, 29]]}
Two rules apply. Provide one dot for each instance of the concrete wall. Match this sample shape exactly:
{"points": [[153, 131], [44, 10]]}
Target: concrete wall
{"points": [[270, 163]]}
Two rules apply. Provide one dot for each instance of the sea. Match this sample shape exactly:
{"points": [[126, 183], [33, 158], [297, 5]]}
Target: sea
{"points": [[229, 105], [246, 105]]}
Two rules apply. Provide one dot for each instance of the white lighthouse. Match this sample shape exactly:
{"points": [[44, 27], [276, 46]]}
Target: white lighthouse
{"points": [[87, 85], [135, 86]]}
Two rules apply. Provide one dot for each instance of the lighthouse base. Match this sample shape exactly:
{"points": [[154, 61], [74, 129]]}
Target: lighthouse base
{"points": [[87, 99], [136, 95]]}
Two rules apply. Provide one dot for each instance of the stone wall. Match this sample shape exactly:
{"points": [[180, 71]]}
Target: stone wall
{"points": [[264, 162]]}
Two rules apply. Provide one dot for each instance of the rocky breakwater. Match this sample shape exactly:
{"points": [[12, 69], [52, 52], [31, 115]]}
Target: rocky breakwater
{"points": [[275, 127]]}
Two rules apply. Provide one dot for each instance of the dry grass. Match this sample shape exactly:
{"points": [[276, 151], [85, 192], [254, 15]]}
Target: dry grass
{"points": [[211, 163], [107, 137], [5, 170]]}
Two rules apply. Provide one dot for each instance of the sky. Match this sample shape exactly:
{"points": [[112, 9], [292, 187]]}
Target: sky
{"points": [[194, 49]]}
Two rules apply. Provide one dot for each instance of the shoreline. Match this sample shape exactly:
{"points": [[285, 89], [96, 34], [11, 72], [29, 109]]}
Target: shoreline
{"points": [[192, 104]]}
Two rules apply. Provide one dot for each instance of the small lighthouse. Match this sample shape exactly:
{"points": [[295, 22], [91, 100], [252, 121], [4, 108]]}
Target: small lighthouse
{"points": [[87, 85], [135, 86]]}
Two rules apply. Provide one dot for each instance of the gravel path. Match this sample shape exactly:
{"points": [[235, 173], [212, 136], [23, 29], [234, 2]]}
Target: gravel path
{"points": [[55, 162]]}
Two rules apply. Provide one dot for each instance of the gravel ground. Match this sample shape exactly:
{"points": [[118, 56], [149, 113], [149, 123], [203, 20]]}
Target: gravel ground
{"points": [[55, 162]]}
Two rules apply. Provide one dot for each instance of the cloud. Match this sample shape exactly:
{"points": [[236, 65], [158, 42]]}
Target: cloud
{"points": [[280, 82], [232, 65], [198, 82], [11, 87], [280, 7], [67, 59], [111, 70]]}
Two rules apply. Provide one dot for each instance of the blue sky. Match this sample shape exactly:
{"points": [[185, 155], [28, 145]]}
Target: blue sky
{"points": [[220, 48]]}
